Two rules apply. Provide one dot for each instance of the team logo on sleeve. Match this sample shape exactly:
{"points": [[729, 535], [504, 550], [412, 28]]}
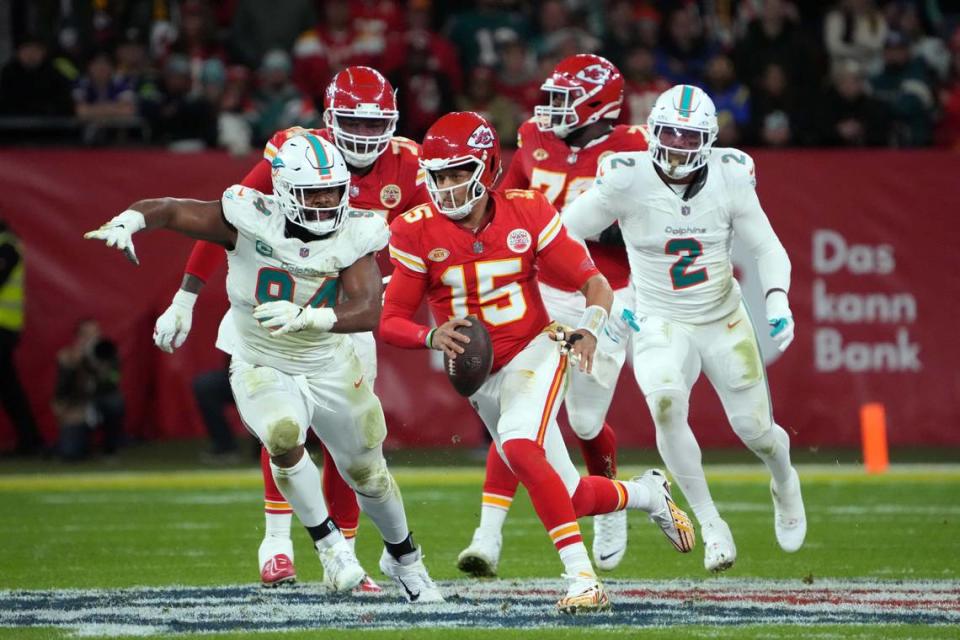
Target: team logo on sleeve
{"points": [[354, 191], [439, 254], [390, 195], [481, 138], [519, 240], [540, 154]]}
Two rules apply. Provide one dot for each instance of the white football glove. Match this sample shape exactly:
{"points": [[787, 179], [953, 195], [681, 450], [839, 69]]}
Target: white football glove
{"points": [[118, 232], [282, 317], [780, 319], [173, 325]]}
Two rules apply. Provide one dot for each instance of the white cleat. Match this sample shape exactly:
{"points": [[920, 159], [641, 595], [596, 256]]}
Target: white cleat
{"points": [[671, 519], [481, 558], [719, 550], [275, 557], [789, 516], [584, 595], [411, 576], [609, 539], [341, 569]]}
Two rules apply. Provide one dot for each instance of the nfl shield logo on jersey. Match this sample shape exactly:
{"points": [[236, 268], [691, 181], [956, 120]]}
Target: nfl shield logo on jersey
{"points": [[304, 252], [685, 210]]}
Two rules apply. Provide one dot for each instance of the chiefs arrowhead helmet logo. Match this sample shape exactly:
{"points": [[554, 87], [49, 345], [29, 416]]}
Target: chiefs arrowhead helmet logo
{"points": [[595, 73], [481, 138]]}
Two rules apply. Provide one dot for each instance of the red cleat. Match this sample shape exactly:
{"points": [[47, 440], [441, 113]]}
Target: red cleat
{"points": [[278, 570], [368, 586]]}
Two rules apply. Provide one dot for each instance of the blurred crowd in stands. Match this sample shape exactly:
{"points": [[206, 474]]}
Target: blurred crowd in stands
{"points": [[194, 74]]}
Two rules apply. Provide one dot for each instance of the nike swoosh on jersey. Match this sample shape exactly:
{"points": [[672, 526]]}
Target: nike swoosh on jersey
{"points": [[731, 325], [356, 385]]}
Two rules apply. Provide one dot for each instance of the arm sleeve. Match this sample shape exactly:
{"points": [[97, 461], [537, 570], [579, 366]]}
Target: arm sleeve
{"points": [[750, 223], [587, 216], [400, 303]]}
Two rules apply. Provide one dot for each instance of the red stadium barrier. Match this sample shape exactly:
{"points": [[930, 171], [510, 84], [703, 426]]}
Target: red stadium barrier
{"points": [[872, 236]]}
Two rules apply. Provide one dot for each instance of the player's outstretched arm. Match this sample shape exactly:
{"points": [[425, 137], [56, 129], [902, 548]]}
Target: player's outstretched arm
{"points": [[198, 219]]}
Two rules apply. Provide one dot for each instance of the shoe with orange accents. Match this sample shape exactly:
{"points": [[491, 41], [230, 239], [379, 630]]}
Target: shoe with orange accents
{"points": [[276, 562], [671, 519], [584, 595]]}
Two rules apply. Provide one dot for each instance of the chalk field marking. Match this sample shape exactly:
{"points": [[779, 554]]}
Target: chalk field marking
{"points": [[489, 604]]}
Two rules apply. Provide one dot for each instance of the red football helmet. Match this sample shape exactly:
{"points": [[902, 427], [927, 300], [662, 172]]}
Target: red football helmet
{"points": [[365, 100], [581, 90], [461, 139]]}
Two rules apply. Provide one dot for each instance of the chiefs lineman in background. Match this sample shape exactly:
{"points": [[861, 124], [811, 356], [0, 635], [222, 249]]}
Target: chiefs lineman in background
{"points": [[360, 117], [558, 153], [679, 206], [475, 252]]}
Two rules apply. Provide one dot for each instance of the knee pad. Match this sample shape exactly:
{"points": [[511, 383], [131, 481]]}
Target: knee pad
{"points": [[755, 432], [282, 436], [668, 408], [372, 481], [585, 425]]}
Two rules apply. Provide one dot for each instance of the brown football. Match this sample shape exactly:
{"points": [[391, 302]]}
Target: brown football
{"points": [[469, 370]]}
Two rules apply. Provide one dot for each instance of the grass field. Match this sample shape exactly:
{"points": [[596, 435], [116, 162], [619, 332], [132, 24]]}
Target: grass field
{"points": [[114, 531]]}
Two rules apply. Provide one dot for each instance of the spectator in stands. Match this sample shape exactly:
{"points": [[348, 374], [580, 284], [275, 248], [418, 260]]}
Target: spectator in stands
{"points": [[102, 94], [621, 32], [905, 86], [373, 21], [443, 54], [474, 31], [12, 396], [31, 86], [683, 51], [518, 79], [277, 103], [731, 97], [260, 26], [773, 37], [848, 116], [329, 47], [559, 33], [481, 96], [180, 117], [918, 24], [233, 130], [855, 31], [197, 38], [775, 120], [948, 129], [133, 65], [87, 395], [423, 93], [642, 85]]}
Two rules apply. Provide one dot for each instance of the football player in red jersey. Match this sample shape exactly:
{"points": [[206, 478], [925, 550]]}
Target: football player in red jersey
{"points": [[558, 153], [360, 117], [473, 251]]}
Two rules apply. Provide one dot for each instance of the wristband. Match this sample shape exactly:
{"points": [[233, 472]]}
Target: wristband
{"points": [[593, 319], [185, 299], [429, 339], [321, 319]]}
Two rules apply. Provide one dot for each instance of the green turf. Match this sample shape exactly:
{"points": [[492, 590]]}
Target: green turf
{"points": [[117, 530]]}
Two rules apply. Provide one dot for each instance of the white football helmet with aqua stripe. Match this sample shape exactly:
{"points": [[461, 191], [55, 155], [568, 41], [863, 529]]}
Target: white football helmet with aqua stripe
{"points": [[683, 127], [306, 163]]}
